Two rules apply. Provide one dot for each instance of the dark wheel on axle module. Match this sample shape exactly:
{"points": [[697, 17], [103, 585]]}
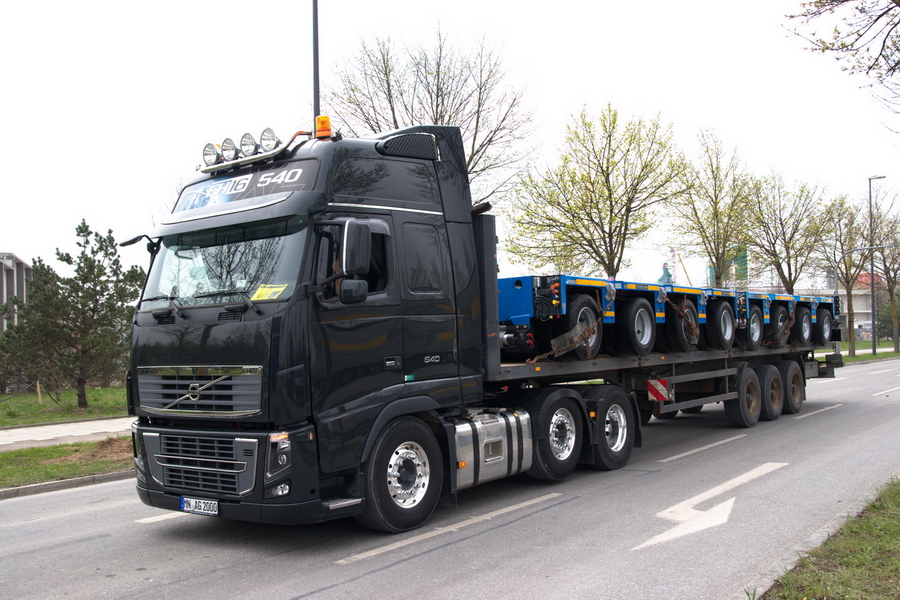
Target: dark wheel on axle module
{"points": [[636, 329], [776, 331], [615, 426], [720, 329], [682, 327], [581, 312], [822, 327], [403, 477], [751, 336], [802, 330], [557, 448]]}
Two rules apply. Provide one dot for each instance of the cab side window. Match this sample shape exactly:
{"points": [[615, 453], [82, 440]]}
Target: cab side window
{"points": [[329, 256]]}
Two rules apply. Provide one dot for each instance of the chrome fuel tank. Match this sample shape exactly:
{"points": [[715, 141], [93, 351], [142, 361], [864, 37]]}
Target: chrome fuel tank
{"points": [[492, 445]]}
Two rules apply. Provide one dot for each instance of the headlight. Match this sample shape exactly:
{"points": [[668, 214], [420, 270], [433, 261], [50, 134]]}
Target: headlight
{"points": [[278, 455]]}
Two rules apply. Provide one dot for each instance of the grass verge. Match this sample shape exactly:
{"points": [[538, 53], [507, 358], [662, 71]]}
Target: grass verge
{"points": [[50, 463], [25, 409], [860, 561]]}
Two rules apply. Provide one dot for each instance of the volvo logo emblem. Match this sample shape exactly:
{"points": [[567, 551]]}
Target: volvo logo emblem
{"points": [[194, 392]]}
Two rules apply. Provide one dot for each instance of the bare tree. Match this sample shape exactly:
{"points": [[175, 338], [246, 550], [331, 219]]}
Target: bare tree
{"points": [[712, 212], [863, 34], [887, 264], [384, 88], [581, 215], [786, 227]]}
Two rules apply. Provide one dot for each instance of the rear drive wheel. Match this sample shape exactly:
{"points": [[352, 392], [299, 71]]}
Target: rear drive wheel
{"points": [[822, 327], [802, 331], [615, 426], [636, 330], [794, 386], [558, 444], [751, 336], [776, 334], [744, 410], [772, 392], [403, 477], [720, 326]]}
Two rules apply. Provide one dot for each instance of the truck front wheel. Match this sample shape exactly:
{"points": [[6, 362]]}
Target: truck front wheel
{"points": [[403, 477], [558, 447]]}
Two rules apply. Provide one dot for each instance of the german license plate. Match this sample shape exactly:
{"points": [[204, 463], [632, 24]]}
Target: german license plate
{"points": [[200, 507]]}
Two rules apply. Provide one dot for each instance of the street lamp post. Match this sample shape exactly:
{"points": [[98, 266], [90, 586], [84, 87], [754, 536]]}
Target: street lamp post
{"points": [[872, 259]]}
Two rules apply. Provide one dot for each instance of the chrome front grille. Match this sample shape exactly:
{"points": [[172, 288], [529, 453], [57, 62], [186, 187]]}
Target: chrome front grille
{"points": [[202, 464], [234, 391]]}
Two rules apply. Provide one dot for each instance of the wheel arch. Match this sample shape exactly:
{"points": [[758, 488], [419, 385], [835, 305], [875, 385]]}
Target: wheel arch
{"points": [[421, 407]]}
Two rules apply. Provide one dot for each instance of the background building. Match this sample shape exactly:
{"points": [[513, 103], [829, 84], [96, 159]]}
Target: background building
{"points": [[14, 273]]}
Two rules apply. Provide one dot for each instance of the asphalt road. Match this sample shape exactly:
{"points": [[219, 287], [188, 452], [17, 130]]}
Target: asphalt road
{"points": [[702, 511]]}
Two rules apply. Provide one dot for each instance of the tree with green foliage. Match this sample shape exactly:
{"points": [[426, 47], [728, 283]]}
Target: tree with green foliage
{"points": [[887, 265], [849, 230], [712, 211], [74, 329], [786, 227], [863, 34], [384, 88], [580, 216]]}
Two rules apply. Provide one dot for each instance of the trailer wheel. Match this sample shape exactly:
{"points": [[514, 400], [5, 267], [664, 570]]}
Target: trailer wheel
{"points": [[794, 386], [681, 332], [720, 326], [636, 330], [751, 337], [772, 392], [403, 477], [775, 330], [822, 328], [558, 447], [582, 310], [615, 427], [744, 410], [802, 331]]}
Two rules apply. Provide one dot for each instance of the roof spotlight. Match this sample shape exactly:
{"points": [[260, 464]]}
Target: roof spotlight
{"points": [[249, 147], [229, 150], [268, 140], [211, 154]]}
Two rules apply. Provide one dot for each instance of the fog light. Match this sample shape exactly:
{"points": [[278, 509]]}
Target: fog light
{"points": [[281, 490]]}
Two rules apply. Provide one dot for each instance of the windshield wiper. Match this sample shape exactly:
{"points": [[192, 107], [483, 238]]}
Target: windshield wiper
{"points": [[172, 305], [242, 293]]}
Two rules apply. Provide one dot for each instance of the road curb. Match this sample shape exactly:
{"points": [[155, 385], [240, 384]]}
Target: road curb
{"points": [[64, 484]]}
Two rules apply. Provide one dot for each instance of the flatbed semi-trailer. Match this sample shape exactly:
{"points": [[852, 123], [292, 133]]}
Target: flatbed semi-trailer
{"points": [[322, 335]]}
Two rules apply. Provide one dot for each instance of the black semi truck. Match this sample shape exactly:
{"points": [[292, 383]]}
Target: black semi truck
{"points": [[322, 334]]}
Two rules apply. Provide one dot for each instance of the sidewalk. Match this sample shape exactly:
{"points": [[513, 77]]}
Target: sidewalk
{"points": [[32, 436]]}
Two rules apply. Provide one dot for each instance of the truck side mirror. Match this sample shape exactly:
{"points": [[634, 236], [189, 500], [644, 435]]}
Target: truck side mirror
{"points": [[353, 291], [357, 248]]}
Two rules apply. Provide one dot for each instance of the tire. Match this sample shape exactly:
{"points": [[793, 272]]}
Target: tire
{"points": [[646, 415], [822, 327], [615, 426], [802, 331], [667, 415], [776, 336], [681, 333], [794, 387], [743, 411], [403, 477], [751, 336], [720, 328], [772, 389], [582, 310], [636, 330], [557, 447], [692, 410]]}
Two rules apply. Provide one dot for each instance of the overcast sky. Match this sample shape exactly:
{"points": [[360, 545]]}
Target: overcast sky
{"points": [[107, 105]]}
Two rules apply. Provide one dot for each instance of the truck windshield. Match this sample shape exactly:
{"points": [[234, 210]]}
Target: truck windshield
{"points": [[257, 262]]}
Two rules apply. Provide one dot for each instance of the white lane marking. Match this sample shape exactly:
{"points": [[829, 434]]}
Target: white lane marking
{"points": [[886, 391], [702, 448], [442, 530], [690, 520], [828, 379], [815, 412], [165, 517], [882, 371]]}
